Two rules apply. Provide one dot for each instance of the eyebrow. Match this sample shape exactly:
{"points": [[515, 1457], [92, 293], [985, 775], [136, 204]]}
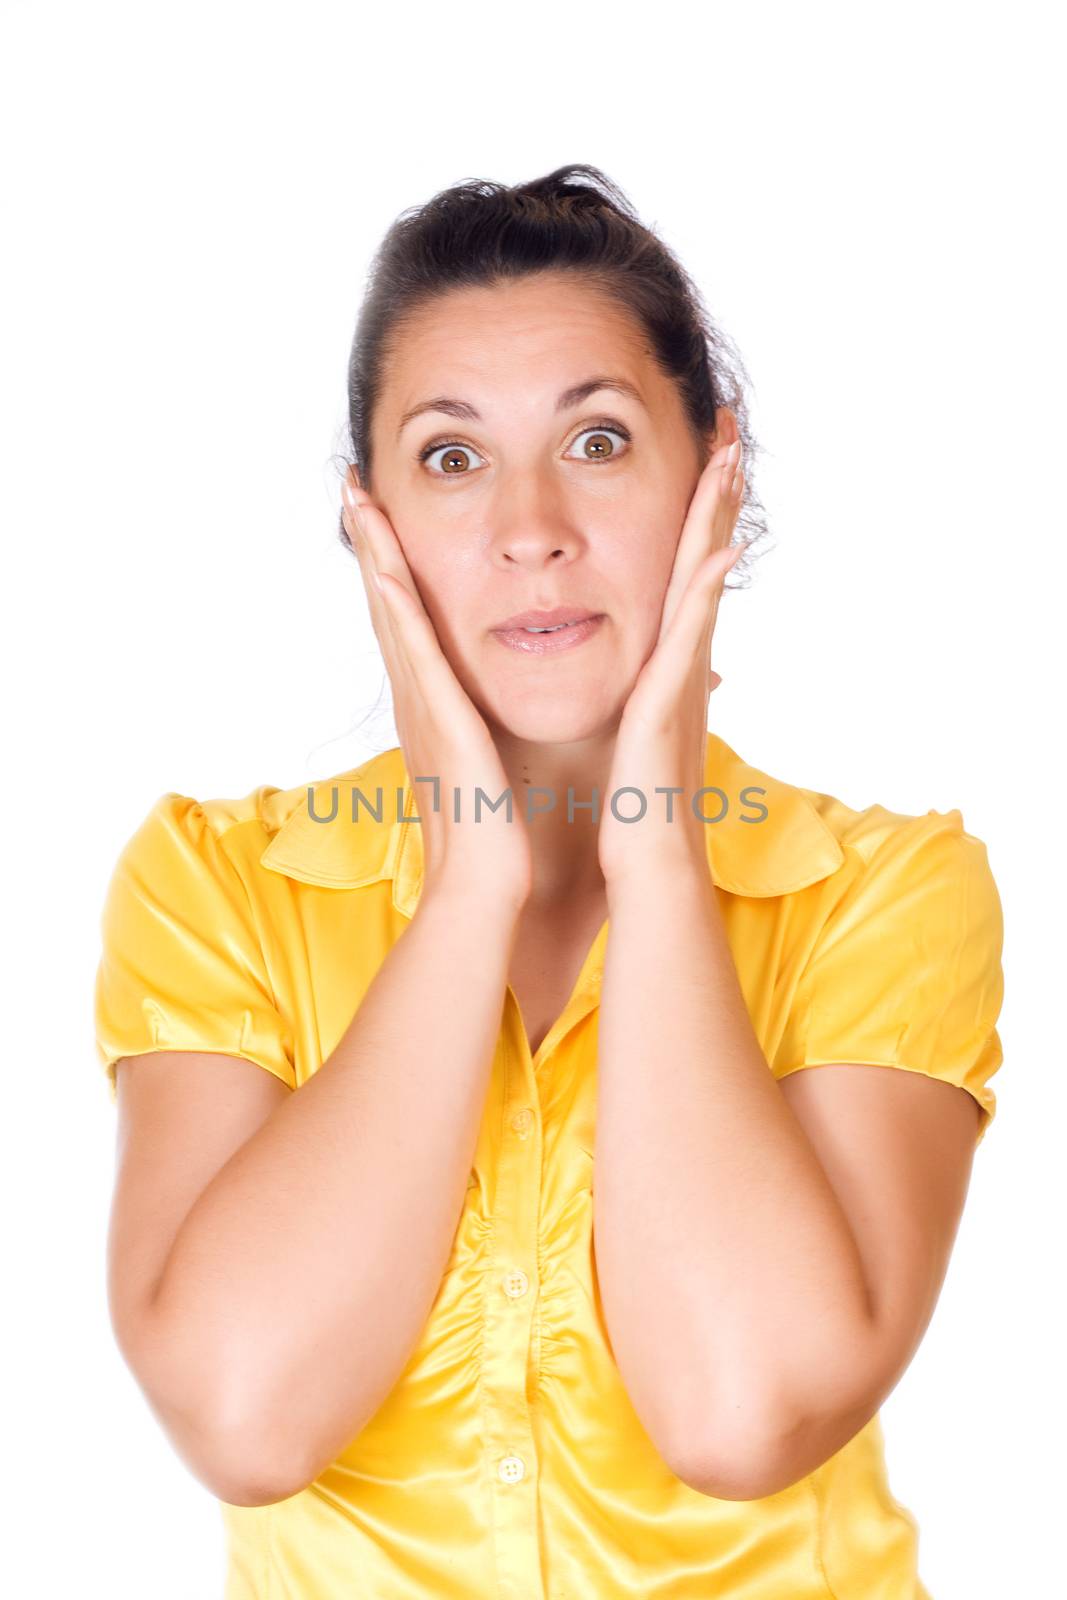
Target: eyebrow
{"points": [[574, 396]]}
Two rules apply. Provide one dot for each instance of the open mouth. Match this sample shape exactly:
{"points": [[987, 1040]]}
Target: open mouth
{"points": [[548, 641]]}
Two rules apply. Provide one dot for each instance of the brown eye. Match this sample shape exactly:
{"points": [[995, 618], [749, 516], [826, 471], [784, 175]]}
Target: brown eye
{"points": [[455, 456], [599, 445]]}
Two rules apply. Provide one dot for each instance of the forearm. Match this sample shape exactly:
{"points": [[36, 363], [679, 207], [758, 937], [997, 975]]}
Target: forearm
{"points": [[302, 1276], [728, 1272]]}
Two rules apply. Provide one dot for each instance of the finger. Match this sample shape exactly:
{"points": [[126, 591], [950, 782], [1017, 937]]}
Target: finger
{"points": [[377, 549], [385, 548], [712, 597], [411, 622], [380, 614], [415, 639], [709, 523], [434, 682], [371, 532], [694, 621], [732, 553], [709, 519]]}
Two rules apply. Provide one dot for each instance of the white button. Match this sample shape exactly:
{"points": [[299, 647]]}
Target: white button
{"points": [[522, 1122], [512, 1469], [516, 1283]]}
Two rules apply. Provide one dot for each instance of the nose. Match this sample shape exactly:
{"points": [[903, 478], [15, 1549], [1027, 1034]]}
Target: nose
{"points": [[532, 527]]}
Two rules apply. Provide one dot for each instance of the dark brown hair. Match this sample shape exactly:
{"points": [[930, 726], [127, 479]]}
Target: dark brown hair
{"points": [[479, 233]]}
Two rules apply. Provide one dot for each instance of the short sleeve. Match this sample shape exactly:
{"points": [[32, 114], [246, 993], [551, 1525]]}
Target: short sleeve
{"points": [[182, 967], [906, 970]]}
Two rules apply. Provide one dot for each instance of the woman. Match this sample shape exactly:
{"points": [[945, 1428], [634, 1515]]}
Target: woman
{"points": [[543, 1284]]}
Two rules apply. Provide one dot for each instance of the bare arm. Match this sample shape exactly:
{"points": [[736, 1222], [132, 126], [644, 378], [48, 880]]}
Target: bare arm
{"points": [[768, 1254], [302, 1274], [282, 1309]]}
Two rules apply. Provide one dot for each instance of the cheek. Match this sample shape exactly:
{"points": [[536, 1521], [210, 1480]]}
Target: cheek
{"points": [[643, 566], [434, 575], [445, 590]]}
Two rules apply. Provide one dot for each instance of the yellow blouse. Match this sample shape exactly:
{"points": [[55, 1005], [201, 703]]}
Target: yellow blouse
{"points": [[508, 1460]]}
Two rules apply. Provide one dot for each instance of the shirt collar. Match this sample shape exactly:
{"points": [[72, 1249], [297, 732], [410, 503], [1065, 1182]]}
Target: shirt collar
{"points": [[790, 848]]}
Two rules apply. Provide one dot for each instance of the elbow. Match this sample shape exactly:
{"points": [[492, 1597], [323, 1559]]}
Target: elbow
{"points": [[749, 1459], [239, 1452], [730, 1479], [251, 1489], [735, 1480], [241, 1471], [236, 1463], [250, 1455]]}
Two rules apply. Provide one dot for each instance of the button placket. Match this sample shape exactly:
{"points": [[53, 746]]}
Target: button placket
{"points": [[509, 1312]]}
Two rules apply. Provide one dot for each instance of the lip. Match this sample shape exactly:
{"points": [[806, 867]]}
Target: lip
{"points": [[545, 619], [567, 637]]}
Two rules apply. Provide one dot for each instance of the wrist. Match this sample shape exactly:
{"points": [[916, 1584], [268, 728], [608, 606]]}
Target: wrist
{"points": [[675, 867], [499, 902]]}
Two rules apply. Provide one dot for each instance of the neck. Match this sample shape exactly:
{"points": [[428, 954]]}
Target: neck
{"points": [[564, 853]]}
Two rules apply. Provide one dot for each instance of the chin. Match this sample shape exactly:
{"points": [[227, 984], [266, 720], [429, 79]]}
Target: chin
{"points": [[555, 720]]}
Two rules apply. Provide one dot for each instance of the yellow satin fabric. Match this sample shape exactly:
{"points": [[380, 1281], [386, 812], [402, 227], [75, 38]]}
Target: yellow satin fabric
{"points": [[508, 1460]]}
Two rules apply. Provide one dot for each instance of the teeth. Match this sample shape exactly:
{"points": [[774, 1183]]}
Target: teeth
{"points": [[549, 630]]}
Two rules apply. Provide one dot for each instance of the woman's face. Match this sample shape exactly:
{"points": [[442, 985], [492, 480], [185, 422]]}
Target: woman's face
{"points": [[531, 504]]}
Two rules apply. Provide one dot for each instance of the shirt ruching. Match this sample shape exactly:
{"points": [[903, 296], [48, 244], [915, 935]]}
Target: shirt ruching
{"points": [[507, 1462]]}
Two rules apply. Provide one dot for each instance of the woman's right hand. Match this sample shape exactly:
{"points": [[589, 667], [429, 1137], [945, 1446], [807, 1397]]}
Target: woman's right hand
{"points": [[442, 733]]}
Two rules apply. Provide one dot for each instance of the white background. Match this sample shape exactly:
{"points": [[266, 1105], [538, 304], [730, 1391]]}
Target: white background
{"points": [[867, 197]]}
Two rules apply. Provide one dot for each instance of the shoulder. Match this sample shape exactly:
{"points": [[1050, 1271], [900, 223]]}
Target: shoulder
{"points": [[922, 864], [188, 857], [917, 876], [233, 825], [875, 834], [184, 965], [258, 839], [811, 846], [265, 809]]}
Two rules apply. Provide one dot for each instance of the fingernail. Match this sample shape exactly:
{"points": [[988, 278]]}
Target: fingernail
{"points": [[348, 491]]}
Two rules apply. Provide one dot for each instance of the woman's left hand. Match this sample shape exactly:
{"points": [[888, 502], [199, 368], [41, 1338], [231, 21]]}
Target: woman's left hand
{"points": [[662, 734]]}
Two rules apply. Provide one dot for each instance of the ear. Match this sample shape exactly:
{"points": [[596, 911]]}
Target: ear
{"points": [[725, 430]]}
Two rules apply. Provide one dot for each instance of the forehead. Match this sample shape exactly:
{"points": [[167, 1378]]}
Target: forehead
{"points": [[552, 325]]}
